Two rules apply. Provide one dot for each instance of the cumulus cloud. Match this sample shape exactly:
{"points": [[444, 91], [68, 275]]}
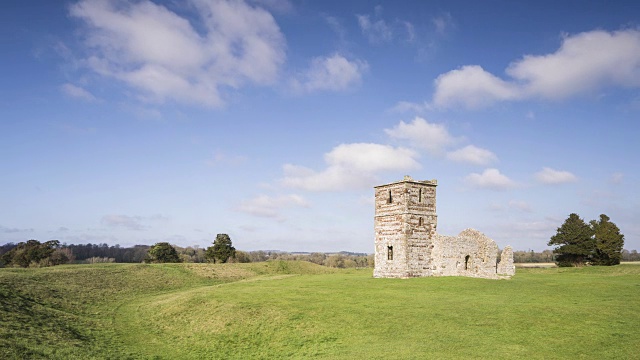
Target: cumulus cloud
{"points": [[333, 73], [161, 54], [350, 166], [490, 179], [77, 92], [551, 176], [473, 155], [585, 62], [270, 206], [473, 87], [422, 134]]}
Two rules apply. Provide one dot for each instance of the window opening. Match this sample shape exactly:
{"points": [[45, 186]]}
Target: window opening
{"points": [[466, 262], [419, 195], [420, 221], [389, 252], [389, 199]]}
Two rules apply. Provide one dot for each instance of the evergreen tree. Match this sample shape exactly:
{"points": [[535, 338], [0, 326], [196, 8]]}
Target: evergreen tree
{"points": [[162, 252], [575, 242], [608, 242], [221, 250]]}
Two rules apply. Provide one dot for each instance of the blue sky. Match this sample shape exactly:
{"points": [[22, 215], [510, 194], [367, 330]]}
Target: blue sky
{"points": [[138, 122]]}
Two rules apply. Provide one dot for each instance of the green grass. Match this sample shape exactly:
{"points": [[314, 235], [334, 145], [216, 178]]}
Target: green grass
{"points": [[300, 310]]}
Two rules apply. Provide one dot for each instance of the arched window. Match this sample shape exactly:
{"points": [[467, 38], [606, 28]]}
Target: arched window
{"points": [[389, 252], [466, 262]]}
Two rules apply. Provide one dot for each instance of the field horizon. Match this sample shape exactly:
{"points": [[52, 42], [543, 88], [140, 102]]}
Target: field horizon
{"points": [[284, 309]]}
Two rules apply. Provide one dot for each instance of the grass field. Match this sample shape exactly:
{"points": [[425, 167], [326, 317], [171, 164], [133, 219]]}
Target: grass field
{"points": [[300, 310]]}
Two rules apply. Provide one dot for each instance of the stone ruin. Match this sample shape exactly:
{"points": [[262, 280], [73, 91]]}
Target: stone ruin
{"points": [[407, 244]]}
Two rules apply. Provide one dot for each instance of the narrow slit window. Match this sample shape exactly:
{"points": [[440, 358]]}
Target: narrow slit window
{"points": [[389, 199], [420, 221], [466, 262], [389, 252], [419, 195]]}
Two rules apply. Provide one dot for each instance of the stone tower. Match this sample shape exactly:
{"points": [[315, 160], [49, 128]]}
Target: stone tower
{"points": [[407, 244], [405, 227]]}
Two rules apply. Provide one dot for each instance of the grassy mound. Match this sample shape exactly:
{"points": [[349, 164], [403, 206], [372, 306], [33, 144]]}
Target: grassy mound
{"points": [[301, 310], [68, 311]]}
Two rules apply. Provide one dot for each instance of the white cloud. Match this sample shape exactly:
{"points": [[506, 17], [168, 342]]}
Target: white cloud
{"points": [[422, 134], [585, 62], [473, 87], [164, 57], [411, 31], [333, 73], [376, 30], [350, 166], [472, 154], [551, 176], [443, 23], [490, 179], [270, 206], [77, 92]]}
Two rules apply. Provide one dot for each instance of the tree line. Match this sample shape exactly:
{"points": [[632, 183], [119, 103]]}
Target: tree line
{"points": [[595, 241], [35, 254]]}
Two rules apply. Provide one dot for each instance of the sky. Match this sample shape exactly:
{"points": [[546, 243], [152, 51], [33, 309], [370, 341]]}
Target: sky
{"points": [[136, 122]]}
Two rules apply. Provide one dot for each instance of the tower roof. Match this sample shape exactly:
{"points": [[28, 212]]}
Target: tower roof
{"points": [[409, 179]]}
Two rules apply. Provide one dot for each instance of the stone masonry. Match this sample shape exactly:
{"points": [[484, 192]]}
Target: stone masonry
{"points": [[407, 244]]}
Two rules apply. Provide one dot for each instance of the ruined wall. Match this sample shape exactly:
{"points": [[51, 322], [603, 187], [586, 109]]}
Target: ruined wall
{"points": [[506, 266], [471, 253], [407, 243]]}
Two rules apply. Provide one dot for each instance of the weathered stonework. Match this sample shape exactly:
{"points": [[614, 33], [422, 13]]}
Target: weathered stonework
{"points": [[506, 266], [407, 244]]}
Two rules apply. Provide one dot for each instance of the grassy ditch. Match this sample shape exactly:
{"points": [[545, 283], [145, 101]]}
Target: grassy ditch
{"points": [[301, 310]]}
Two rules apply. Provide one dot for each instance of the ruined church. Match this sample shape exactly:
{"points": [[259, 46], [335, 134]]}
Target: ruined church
{"points": [[407, 244]]}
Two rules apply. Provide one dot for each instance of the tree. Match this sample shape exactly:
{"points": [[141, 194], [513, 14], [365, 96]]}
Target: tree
{"points": [[32, 251], [575, 242], [608, 242], [162, 252], [221, 250]]}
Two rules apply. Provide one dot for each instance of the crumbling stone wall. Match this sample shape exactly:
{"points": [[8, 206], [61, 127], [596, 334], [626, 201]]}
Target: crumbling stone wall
{"points": [[506, 266], [407, 244]]}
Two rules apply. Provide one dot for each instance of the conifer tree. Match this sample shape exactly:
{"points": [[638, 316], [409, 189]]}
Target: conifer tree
{"points": [[608, 242], [575, 242], [221, 250]]}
